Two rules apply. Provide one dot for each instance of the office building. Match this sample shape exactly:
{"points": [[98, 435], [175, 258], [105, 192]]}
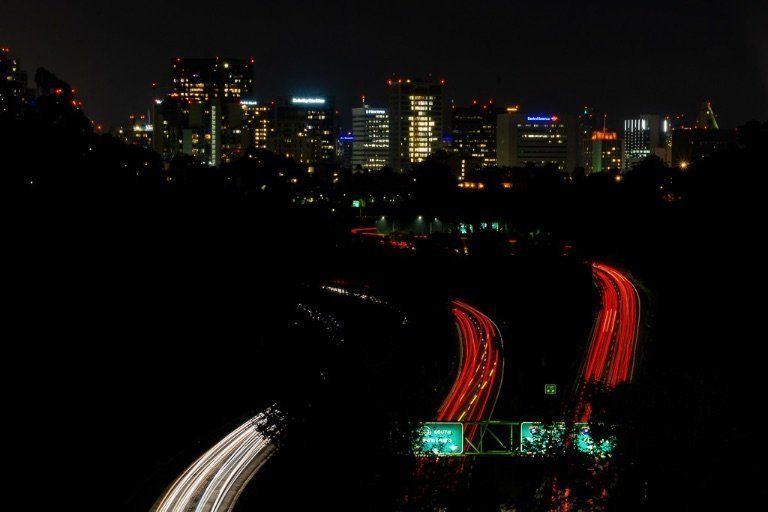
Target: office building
{"points": [[537, 139], [344, 148], [201, 80], [645, 135], [137, 131], [304, 128], [586, 120], [473, 131], [415, 121], [257, 123], [605, 150], [692, 144], [703, 139], [205, 115], [370, 138], [192, 129], [13, 83]]}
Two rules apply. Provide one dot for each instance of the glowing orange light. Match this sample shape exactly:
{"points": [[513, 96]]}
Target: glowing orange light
{"points": [[604, 135]]}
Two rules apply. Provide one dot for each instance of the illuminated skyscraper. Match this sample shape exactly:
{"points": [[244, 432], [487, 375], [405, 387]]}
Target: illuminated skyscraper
{"points": [[537, 139], [606, 152], [416, 121], [204, 116], [304, 129], [257, 123], [645, 135], [201, 80], [370, 132], [193, 129], [473, 132]]}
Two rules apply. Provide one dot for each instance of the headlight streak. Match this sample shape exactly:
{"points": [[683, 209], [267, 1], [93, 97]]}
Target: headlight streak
{"points": [[215, 480]]}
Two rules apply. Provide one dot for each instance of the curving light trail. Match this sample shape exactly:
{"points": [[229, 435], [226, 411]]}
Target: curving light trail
{"points": [[215, 480], [476, 388], [610, 358]]}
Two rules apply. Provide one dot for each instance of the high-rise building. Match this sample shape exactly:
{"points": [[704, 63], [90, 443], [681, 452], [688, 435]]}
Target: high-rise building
{"points": [[13, 83], [370, 132], [473, 131], [705, 137], [606, 152], [137, 131], [193, 129], [304, 129], [257, 123], [200, 80], [416, 120], [169, 120], [537, 139], [586, 129], [645, 135], [204, 115], [344, 148]]}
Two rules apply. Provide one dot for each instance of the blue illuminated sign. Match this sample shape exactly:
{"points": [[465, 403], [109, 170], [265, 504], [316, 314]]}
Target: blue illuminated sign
{"points": [[545, 119]]}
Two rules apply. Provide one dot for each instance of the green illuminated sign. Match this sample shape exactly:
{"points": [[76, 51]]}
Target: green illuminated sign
{"points": [[586, 443], [545, 438], [440, 439], [550, 389], [540, 438], [356, 203]]}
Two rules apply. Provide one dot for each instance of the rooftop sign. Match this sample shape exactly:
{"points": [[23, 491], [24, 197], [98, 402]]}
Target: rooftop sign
{"points": [[544, 119], [308, 101]]}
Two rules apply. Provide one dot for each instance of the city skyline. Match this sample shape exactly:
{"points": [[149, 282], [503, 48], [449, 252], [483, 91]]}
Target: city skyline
{"points": [[349, 57], [385, 255]]}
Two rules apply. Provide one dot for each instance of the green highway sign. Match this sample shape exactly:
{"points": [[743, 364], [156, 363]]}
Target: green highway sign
{"points": [[440, 439], [586, 444], [356, 204], [545, 438], [550, 389], [541, 438]]}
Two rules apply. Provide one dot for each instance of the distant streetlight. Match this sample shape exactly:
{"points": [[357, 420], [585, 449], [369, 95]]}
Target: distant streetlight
{"points": [[683, 165]]}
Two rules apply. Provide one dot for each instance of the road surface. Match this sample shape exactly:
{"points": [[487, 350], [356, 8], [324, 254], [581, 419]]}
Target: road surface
{"points": [[215, 480], [481, 369]]}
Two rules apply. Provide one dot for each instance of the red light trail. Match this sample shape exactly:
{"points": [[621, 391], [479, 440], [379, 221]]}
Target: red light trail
{"points": [[366, 231], [610, 358], [481, 369]]}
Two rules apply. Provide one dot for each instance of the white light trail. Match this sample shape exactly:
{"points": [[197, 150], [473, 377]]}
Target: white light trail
{"points": [[215, 480]]}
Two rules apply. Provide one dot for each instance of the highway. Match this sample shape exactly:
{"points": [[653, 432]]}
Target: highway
{"points": [[481, 369], [610, 356], [215, 480]]}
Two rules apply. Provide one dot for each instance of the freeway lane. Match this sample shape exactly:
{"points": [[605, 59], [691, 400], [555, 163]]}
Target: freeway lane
{"points": [[481, 369], [215, 480], [610, 358]]}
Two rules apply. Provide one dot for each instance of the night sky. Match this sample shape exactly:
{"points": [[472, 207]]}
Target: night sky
{"points": [[621, 57]]}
